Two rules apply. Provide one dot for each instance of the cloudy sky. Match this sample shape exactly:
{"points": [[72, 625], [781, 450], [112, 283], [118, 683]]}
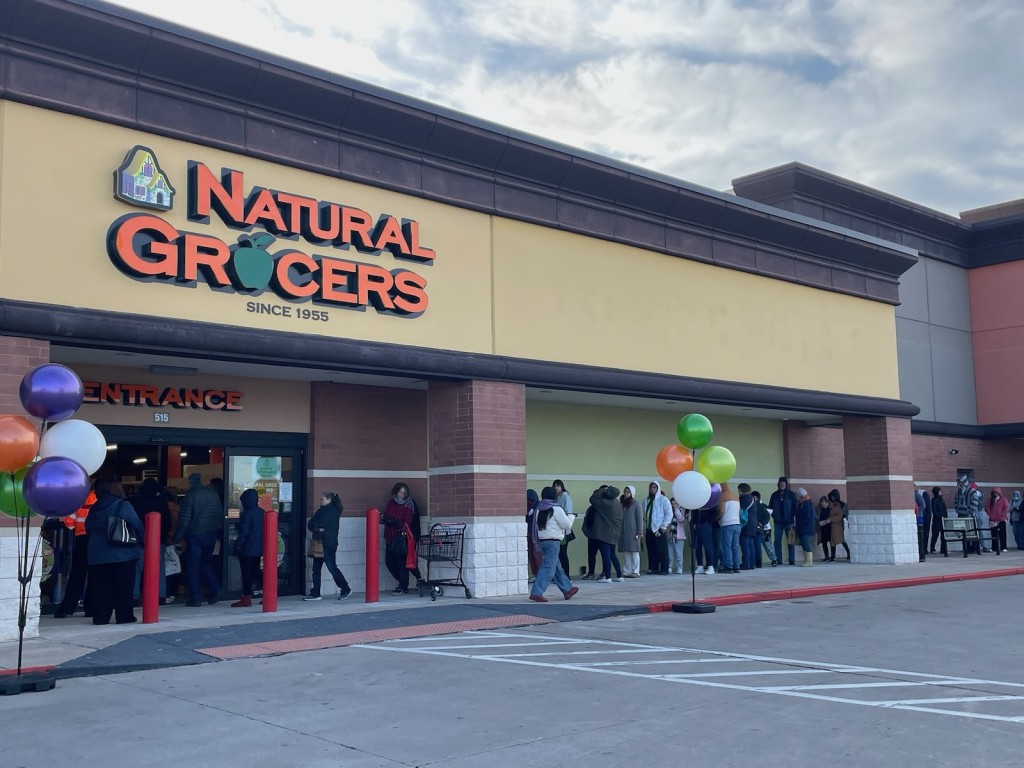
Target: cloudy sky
{"points": [[920, 98]]}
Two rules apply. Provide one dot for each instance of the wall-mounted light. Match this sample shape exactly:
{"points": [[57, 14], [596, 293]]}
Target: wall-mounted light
{"points": [[953, 451], [183, 455], [140, 460]]}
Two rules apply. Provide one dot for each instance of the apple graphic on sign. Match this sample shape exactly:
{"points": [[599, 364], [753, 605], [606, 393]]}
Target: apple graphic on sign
{"points": [[253, 265]]}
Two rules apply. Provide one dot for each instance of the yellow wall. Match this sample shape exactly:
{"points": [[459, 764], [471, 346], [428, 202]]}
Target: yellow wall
{"points": [[496, 286]]}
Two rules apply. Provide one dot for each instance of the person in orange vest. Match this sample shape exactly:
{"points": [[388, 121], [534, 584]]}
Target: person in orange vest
{"points": [[79, 562]]}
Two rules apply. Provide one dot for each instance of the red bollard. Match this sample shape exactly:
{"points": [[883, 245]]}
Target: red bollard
{"points": [[152, 552], [372, 555], [270, 562]]}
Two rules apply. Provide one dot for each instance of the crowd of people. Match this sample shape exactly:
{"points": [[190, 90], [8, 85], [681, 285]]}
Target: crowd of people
{"points": [[990, 514]]}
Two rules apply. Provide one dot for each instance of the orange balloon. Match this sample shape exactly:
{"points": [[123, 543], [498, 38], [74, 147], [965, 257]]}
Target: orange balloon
{"points": [[672, 461], [19, 442]]}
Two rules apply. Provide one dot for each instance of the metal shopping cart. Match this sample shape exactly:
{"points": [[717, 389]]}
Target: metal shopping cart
{"points": [[443, 545]]}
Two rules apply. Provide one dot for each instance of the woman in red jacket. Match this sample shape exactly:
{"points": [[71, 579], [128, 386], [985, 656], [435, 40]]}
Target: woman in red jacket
{"points": [[400, 514], [998, 509]]}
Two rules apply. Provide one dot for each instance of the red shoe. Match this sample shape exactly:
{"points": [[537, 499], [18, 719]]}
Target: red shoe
{"points": [[538, 598], [571, 592], [245, 602]]}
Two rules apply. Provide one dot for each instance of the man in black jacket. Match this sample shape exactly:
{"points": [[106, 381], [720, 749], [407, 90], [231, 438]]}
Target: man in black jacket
{"points": [[199, 527], [783, 509]]}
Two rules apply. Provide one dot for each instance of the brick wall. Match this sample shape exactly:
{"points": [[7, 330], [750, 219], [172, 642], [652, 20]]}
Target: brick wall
{"points": [[877, 446]]}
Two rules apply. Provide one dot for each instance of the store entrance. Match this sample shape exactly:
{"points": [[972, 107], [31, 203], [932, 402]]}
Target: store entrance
{"points": [[230, 463]]}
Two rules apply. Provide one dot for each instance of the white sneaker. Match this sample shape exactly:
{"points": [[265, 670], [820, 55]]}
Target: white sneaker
{"points": [[700, 569], [710, 571], [618, 578], [604, 581]]}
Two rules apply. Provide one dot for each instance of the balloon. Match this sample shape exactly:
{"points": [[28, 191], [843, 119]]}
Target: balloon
{"points": [[19, 442], [716, 463], [716, 494], [672, 461], [12, 499], [56, 486], [691, 490], [51, 392], [78, 440], [694, 431]]}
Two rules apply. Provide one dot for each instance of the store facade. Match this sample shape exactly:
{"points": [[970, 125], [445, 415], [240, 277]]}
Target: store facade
{"points": [[348, 289]]}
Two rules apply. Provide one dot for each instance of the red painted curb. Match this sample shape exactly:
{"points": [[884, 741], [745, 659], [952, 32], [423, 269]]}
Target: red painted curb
{"points": [[836, 589], [27, 670]]}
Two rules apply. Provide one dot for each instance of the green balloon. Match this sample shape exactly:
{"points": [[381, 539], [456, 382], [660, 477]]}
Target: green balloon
{"points": [[716, 463], [695, 431], [12, 500]]}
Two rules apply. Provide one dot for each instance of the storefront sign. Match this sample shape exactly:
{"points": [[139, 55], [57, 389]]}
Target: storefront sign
{"points": [[146, 395], [146, 247]]}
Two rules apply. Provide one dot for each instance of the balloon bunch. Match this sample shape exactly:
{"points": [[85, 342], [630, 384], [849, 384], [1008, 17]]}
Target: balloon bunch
{"points": [[698, 488], [45, 471]]}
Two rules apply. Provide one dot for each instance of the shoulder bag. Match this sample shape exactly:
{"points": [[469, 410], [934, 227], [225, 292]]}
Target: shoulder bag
{"points": [[316, 548], [119, 533]]}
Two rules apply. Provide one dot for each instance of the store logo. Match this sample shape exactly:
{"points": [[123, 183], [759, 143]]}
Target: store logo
{"points": [[139, 181], [148, 248]]}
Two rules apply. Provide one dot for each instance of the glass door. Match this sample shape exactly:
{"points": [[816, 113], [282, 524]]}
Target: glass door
{"points": [[275, 474]]}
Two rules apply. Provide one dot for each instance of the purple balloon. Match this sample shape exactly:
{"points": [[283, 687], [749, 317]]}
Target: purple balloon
{"points": [[716, 494], [51, 392], [55, 486]]}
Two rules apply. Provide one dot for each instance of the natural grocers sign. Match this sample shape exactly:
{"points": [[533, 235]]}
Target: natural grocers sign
{"points": [[288, 249]]}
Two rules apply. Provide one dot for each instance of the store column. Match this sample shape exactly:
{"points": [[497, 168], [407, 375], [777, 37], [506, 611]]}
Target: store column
{"points": [[17, 357], [478, 476], [880, 490]]}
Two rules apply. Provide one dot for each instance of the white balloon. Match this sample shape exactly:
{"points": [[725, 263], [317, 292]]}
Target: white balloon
{"points": [[691, 490], [75, 439]]}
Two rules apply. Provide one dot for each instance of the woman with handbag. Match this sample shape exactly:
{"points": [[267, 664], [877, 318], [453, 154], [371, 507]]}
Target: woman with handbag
{"points": [[116, 536], [401, 523], [249, 544], [323, 549]]}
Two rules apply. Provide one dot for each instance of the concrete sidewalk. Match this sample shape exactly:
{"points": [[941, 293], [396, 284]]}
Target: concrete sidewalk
{"points": [[75, 647]]}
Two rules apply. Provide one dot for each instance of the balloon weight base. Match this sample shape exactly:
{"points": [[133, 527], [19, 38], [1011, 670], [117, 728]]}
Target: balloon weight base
{"points": [[33, 682], [693, 607]]}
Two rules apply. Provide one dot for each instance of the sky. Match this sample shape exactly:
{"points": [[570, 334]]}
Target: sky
{"points": [[923, 99]]}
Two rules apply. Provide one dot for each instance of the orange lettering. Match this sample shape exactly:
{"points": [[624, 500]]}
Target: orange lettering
{"points": [[390, 236], [375, 281], [356, 222], [285, 261], [158, 257], [206, 192], [334, 275], [412, 234], [264, 208], [201, 252], [234, 401], [412, 296]]}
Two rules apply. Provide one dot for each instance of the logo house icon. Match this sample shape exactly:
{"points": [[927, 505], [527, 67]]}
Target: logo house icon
{"points": [[140, 181]]}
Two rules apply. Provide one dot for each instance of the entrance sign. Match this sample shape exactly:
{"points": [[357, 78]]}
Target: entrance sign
{"points": [[147, 395]]}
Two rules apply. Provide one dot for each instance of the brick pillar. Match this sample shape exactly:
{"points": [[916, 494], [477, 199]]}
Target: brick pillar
{"points": [[880, 490], [478, 475], [17, 357]]}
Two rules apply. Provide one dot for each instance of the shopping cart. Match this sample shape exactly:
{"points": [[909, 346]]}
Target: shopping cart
{"points": [[442, 545]]}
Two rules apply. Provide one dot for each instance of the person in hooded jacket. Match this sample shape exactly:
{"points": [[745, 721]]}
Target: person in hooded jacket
{"points": [[324, 525], [632, 532], [783, 506], [825, 530], [606, 528], [249, 544], [552, 524], [112, 567], [998, 509], [806, 525], [837, 519], [657, 516], [921, 510], [534, 555], [676, 537], [200, 521], [1017, 520], [938, 512], [399, 514]]}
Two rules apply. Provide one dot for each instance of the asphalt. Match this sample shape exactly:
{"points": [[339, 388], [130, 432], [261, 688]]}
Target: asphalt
{"points": [[184, 636]]}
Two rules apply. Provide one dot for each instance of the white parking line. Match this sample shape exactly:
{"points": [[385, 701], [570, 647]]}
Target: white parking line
{"points": [[769, 665]]}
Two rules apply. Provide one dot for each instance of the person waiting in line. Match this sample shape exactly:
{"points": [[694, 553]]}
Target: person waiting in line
{"points": [[1016, 523], [533, 548], [921, 514], [400, 519], [324, 525], [998, 509], [607, 525], [748, 527], [112, 567], [657, 516], [79, 563], [703, 539], [199, 527], [552, 523], [676, 537], [939, 512], [825, 530], [729, 524], [783, 506], [173, 580], [150, 499], [764, 515], [587, 529], [806, 525], [631, 533], [926, 521], [564, 500], [837, 519], [249, 544]]}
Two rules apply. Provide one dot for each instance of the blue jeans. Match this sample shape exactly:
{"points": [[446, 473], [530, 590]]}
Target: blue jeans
{"points": [[702, 549], [1018, 533], [200, 562], [163, 576], [608, 559], [766, 544], [730, 546], [550, 570], [780, 534], [675, 554], [750, 547]]}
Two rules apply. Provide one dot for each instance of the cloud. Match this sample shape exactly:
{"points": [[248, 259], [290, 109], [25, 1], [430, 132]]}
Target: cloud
{"points": [[919, 98]]}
